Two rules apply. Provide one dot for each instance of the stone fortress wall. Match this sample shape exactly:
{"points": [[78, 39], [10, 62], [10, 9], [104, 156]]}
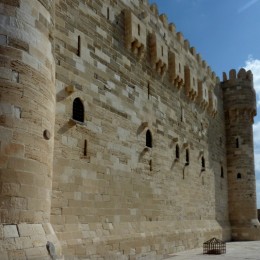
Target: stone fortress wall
{"points": [[132, 158]]}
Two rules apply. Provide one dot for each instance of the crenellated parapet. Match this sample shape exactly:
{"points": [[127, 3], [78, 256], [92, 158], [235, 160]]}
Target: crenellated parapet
{"points": [[149, 34], [239, 95], [165, 33]]}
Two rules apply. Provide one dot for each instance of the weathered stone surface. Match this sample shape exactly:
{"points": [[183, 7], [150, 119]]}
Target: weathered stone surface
{"points": [[10, 231], [117, 141]]}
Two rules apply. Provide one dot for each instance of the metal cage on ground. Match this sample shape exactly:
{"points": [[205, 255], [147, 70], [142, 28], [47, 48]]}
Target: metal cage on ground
{"points": [[214, 246]]}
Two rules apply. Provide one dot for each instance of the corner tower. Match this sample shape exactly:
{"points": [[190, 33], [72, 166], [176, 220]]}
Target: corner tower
{"points": [[27, 109], [240, 108]]}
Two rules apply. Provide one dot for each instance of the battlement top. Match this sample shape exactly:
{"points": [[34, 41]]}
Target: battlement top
{"points": [[242, 75], [149, 15]]}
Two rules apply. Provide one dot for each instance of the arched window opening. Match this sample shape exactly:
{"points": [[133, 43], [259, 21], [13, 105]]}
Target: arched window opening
{"points": [[187, 157], [203, 162], [78, 110], [149, 139], [222, 172], [239, 176], [177, 152], [139, 29], [237, 142]]}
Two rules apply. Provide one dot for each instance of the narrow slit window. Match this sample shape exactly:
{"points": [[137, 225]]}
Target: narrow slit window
{"points": [[79, 46], [148, 90], [108, 13], [237, 142], [203, 162], [151, 165], [149, 142], [85, 147], [222, 172], [139, 29], [179, 67], [177, 152], [162, 50], [239, 176], [78, 110], [187, 157]]}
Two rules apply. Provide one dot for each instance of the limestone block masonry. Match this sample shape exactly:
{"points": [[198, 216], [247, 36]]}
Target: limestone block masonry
{"points": [[117, 141]]}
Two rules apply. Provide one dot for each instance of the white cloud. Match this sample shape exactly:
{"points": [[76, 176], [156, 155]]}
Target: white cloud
{"points": [[256, 128], [246, 6], [254, 65]]}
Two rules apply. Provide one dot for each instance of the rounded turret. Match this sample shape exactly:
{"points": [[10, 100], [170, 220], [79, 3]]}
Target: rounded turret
{"points": [[27, 111], [239, 93], [240, 108]]}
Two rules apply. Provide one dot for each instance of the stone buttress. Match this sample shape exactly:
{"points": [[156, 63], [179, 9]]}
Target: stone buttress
{"points": [[27, 95], [240, 109]]}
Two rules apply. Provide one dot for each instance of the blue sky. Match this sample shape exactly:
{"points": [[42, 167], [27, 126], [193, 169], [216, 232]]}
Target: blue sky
{"points": [[227, 35]]}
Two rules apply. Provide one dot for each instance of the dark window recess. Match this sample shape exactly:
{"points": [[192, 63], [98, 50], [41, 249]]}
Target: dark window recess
{"points": [[79, 46], [239, 176], [85, 147], [237, 143], [78, 110], [149, 141], [108, 13], [203, 162], [139, 30], [151, 165], [177, 152], [187, 157], [148, 90], [222, 172], [182, 115]]}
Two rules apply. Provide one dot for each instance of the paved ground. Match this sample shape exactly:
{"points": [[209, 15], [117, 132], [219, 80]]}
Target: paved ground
{"points": [[235, 250]]}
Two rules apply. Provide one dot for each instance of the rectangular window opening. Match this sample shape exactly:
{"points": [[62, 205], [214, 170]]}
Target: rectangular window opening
{"points": [[79, 46], [85, 147]]}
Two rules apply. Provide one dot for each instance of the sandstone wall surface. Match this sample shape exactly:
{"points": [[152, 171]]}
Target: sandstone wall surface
{"points": [[114, 195]]}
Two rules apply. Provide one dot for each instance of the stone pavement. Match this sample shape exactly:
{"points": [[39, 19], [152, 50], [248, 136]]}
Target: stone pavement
{"points": [[235, 250]]}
